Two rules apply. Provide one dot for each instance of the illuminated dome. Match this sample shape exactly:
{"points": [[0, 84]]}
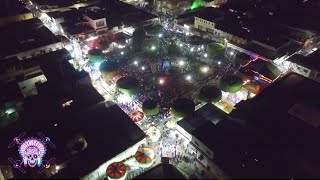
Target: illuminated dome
{"points": [[136, 116], [145, 157], [117, 170]]}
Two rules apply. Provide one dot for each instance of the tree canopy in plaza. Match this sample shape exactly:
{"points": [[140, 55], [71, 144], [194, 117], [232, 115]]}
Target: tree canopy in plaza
{"points": [[182, 107], [95, 55], [216, 49], [108, 69], [209, 94], [230, 83], [150, 107], [104, 44], [138, 37], [196, 40], [154, 30], [173, 48], [128, 85]]}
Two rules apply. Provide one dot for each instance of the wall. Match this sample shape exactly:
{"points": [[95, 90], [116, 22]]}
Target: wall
{"points": [[93, 22], [209, 27], [203, 24]]}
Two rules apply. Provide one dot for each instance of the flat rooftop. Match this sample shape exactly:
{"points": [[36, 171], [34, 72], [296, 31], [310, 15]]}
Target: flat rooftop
{"points": [[208, 112], [161, 171], [279, 115], [12, 8], [34, 35], [108, 132], [312, 61], [73, 28], [69, 15], [210, 14]]}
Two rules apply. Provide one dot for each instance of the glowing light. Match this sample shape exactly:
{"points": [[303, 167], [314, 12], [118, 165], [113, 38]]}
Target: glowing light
{"points": [[57, 168], [205, 55], [205, 69], [97, 65], [153, 48], [159, 35], [124, 99], [161, 81], [55, 125], [231, 53], [92, 38], [192, 49], [181, 63], [219, 62], [135, 62], [122, 53], [143, 68], [195, 4], [180, 44], [188, 77]]}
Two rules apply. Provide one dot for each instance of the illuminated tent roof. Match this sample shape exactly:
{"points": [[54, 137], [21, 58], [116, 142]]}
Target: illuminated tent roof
{"points": [[116, 170], [144, 155], [136, 116]]}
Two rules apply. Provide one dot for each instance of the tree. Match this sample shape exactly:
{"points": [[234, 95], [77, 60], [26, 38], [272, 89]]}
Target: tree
{"points": [[150, 107], [108, 69], [216, 49], [209, 94], [95, 55], [128, 85], [104, 44], [182, 107], [138, 37], [155, 30], [173, 48], [230, 83]]}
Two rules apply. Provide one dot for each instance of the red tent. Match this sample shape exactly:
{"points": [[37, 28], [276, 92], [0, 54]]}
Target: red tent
{"points": [[136, 116], [116, 170]]}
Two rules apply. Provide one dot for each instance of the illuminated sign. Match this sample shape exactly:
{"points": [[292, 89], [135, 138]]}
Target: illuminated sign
{"points": [[32, 151]]}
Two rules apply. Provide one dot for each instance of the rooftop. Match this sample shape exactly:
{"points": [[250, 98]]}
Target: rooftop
{"points": [[208, 112], [12, 8], [161, 171], [108, 132], [210, 14], [34, 35], [236, 152], [295, 134], [69, 15], [312, 61], [202, 12], [60, 3], [80, 27]]}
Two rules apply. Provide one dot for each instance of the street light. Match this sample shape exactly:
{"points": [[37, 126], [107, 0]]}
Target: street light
{"points": [[181, 63], [205, 69], [161, 81]]}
